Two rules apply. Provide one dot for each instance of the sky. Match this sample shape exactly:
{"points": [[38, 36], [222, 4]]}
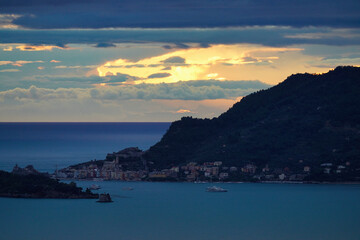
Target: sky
{"points": [[160, 60]]}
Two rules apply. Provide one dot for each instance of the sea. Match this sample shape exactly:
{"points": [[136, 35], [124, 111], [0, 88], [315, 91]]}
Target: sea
{"points": [[161, 211], [48, 146]]}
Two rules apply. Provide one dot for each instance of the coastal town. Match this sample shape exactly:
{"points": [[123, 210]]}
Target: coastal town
{"points": [[129, 165]]}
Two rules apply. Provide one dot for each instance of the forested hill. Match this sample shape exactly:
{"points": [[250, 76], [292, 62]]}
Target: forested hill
{"points": [[24, 184], [308, 118]]}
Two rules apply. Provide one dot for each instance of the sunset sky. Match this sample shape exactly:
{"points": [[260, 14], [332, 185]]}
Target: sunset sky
{"points": [[141, 60]]}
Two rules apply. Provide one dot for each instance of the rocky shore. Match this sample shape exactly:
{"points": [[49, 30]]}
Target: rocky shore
{"points": [[26, 183]]}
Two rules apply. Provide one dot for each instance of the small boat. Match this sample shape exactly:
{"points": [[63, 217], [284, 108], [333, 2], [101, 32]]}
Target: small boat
{"points": [[215, 189], [127, 188], [94, 187], [104, 198]]}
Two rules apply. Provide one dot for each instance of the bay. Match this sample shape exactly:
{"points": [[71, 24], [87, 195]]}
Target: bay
{"points": [[178, 211], [51, 145], [160, 211]]}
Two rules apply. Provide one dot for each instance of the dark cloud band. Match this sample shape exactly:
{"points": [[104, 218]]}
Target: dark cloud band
{"points": [[48, 14], [270, 36]]}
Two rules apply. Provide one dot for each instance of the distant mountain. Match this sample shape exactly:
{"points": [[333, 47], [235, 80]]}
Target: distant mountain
{"points": [[306, 120]]}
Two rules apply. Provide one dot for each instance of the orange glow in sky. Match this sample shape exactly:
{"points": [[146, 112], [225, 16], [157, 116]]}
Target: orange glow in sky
{"points": [[220, 62]]}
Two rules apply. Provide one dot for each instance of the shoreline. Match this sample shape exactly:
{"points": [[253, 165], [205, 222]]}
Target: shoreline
{"points": [[230, 182]]}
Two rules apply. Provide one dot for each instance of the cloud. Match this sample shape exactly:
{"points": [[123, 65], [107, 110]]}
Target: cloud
{"points": [[105, 45], [55, 61], [212, 75], [18, 63], [42, 14], [249, 59], [34, 93], [74, 67], [6, 63], [246, 85], [77, 82], [67, 80], [159, 75], [120, 103], [139, 66], [40, 47], [335, 33], [204, 45], [8, 49], [183, 111], [177, 46], [185, 46], [167, 47], [175, 59], [191, 90], [6, 21], [10, 70], [196, 63]]}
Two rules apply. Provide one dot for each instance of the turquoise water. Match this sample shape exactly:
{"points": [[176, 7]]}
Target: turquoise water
{"points": [[177, 211]]}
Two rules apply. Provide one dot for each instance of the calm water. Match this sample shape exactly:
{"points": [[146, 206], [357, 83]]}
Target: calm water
{"points": [[47, 145], [161, 211]]}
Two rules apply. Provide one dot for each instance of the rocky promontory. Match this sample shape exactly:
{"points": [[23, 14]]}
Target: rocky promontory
{"points": [[22, 183]]}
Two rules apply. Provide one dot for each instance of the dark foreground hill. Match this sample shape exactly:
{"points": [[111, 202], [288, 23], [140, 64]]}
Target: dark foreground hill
{"points": [[307, 120], [35, 185]]}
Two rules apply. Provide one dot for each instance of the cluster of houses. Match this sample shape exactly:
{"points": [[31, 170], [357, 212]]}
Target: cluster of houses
{"points": [[194, 172], [216, 171], [105, 173], [126, 165], [329, 168], [114, 170]]}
